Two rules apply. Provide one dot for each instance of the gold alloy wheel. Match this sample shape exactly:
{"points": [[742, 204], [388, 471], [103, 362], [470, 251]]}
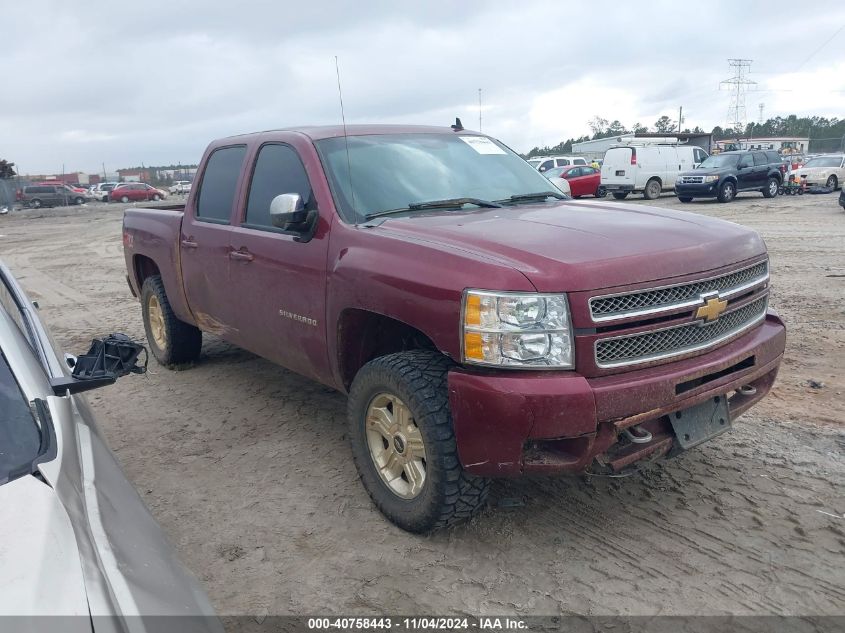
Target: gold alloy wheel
{"points": [[156, 318], [396, 445]]}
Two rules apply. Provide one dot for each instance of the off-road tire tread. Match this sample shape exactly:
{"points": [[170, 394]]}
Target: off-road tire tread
{"points": [[423, 375], [185, 340]]}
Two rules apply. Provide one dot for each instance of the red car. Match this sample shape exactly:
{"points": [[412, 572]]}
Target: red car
{"points": [[584, 181], [135, 191]]}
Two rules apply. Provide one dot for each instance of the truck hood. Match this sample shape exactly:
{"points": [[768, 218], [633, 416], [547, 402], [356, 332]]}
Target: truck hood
{"points": [[41, 571], [572, 246]]}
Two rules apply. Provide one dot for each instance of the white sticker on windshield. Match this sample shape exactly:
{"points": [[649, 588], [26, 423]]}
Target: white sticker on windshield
{"points": [[482, 145]]}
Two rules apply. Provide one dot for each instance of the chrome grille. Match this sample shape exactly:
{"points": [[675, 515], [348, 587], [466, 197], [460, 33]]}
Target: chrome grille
{"points": [[691, 180], [669, 297], [674, 341]]}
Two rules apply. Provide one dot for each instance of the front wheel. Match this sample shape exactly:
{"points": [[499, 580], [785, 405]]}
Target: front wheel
{"points": [[79, 201], [171, 341], [684, 199], [404, 446], [620, 195], [35, 204], [156, 198], [771, 188], [727, 192], [832, 182], [124, 199]]}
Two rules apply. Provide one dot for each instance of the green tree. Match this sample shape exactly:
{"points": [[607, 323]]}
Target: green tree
{"points": [[7, 169], [664, 124]]}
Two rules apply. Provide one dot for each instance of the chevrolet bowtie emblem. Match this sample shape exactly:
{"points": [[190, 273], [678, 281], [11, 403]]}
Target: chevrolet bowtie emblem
{"points": [[711, 309]]}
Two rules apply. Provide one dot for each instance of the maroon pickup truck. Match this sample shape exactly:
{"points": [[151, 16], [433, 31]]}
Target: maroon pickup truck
{"points": [[482, 324]]}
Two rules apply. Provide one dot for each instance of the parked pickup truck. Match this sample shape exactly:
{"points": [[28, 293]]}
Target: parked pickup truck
{"points": [[482, 323]]}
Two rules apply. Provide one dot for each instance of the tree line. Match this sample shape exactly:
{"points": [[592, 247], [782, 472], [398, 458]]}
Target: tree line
{"points": [[824, 134]]}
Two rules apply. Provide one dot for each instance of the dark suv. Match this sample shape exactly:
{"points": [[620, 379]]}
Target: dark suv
{"points": [[724, 175], [49, 196]]}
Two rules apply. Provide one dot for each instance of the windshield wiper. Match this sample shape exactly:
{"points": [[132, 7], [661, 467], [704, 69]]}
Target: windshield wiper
{"points": [[450, 203], [539, 196]]}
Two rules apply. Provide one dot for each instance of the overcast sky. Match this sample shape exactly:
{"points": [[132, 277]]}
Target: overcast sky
{"points": [[86, 83]]}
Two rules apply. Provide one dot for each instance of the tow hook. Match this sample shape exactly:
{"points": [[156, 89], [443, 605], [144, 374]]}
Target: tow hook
{"points": [[747, 390], [644, 438]]}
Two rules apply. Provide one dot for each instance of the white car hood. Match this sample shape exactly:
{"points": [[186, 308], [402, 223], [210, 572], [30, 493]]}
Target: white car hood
{"points": [[41, 572]]}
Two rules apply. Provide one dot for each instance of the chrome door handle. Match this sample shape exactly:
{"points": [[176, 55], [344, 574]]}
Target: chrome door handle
{"points": [[241, 255], [189, 243]]}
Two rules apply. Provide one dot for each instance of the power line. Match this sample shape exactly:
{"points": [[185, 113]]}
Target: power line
{"points": [[739, 85], [825, 43]]}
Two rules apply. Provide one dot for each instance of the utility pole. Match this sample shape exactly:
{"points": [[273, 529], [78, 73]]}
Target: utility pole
{"points": [[738, 85], [479, 109], [680, 118], [761, 106]]}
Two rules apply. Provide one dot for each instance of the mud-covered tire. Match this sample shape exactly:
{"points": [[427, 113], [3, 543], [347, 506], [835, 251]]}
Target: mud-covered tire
{"points": [[653, 189], [684, 199], [620, 195], [449, 494], [727, 191], [181, 342], [771, 188]]}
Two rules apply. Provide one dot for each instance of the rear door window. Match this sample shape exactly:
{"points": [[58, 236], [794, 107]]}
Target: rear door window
{"points": [[278, 170], [219, 184], [562, 162]]}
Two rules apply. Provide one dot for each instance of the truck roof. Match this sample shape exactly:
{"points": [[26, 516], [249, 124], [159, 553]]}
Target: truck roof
{"points": [[317, 132]]}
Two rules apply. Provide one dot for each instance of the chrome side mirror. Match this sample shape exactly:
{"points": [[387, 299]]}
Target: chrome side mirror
{"points": [[287, 209]]}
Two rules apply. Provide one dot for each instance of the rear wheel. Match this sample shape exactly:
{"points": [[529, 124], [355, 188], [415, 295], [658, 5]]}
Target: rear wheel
{"points": [[684, 199], [78, 200], [404, 446], [832, 182], [771, 188], [171, 341], [727, 192], [652, 189], [601, 192], [620, 195]]}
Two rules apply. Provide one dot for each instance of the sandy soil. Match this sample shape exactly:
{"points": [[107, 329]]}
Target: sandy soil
{"points": [[247, 468]]}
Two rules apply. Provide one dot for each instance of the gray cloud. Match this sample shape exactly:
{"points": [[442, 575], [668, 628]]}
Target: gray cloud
{"points": [[155, 82]]}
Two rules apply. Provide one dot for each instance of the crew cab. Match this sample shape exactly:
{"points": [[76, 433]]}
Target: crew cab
{"points": [[481, 322], [724, 175]]}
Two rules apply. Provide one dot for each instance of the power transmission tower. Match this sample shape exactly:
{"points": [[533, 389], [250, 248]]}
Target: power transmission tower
{"points": [[738, 84], [761, 106]]}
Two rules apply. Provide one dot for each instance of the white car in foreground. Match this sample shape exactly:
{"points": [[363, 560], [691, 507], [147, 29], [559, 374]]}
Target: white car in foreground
{"points": [[77, 541]]}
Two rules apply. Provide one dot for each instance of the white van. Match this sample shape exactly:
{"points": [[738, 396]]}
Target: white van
{"points": [[650, 169], [542, 163]]}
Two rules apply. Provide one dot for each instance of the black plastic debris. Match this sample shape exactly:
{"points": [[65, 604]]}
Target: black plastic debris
{"points": [[115, 355]]}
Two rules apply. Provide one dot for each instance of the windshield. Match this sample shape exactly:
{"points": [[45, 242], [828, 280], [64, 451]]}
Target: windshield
{"points": [[719, 160], [393, 171], [823, 162], [20, 437]]}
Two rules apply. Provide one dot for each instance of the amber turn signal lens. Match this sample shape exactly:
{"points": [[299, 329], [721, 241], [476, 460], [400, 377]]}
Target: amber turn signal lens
{"points": [[473, 346], [472, 313]]}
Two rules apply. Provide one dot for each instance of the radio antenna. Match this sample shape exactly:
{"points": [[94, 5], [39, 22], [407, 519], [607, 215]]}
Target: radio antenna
{"points": [[345, 136]]}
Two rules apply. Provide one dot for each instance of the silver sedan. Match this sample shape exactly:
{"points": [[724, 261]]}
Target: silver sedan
{"points": [[78, 540]]}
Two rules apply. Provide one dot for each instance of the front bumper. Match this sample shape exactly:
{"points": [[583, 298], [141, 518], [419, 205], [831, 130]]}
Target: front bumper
{"points": [[697, 190], [510, 423]]}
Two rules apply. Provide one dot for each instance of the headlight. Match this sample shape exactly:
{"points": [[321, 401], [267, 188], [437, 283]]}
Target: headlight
{"points": [[711, 178], [517, 330]]}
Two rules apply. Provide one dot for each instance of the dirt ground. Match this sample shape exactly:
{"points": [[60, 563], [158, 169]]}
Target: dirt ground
{"points": [[247, 468]]}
